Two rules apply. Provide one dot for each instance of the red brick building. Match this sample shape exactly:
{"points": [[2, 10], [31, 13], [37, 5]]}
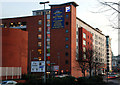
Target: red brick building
{"points": [[60, 39], [85, 42], [14, 53]]}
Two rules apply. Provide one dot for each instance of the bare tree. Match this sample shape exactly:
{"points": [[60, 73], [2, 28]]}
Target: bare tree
{"points": [[89, 60], [112, 8]]}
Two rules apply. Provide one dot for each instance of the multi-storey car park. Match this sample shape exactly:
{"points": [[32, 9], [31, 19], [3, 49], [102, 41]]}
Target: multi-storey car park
{"points": [[64, 34]]}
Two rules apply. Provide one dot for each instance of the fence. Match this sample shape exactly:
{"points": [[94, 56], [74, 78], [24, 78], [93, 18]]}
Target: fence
{"points": [[11, 72]]}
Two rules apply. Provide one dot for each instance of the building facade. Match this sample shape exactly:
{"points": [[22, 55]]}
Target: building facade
{"points": [[99, 42], [109, 53], [116, 63], [66, 36], [14, 53]]}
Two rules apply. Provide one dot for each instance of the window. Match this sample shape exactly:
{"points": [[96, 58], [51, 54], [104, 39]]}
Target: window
{"points": [[23, 23], [40, 22], [39, 36], [84, 56], [48, 12], [77, 32], [67, 16], [66, 23], [48, 29], [84, 42], [96, 42], [48, 16], [66, 54], [76, 40], [66, 38], [66, 62], [12, 24], [66, 46], [39, 51], [48, 43], [39, 44], [39, 29], [48, 36], [48, 21], [39, 58], [48, 50], [84, 35], [66, 31], [88, 43], [84, 49]]}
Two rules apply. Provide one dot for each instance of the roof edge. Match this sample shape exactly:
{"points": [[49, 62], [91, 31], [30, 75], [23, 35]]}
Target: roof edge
{"points": [[89, 25], [68, 3]]}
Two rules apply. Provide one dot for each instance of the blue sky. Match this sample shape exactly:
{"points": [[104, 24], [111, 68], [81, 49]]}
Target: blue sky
{"points": [[19, 8]]}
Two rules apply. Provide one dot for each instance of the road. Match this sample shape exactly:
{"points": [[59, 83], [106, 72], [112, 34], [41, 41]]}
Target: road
{"points": [[113, 81]]}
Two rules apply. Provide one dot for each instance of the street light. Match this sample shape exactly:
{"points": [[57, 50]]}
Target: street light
{"points": [[44, 41]]}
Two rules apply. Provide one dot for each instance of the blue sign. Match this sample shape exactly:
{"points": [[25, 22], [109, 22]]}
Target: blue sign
{"points": [[68, 9], [41, 67], [57, 18]]}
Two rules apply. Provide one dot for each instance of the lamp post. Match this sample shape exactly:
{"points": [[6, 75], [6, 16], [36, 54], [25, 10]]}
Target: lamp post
{"points": [[44, 41]]}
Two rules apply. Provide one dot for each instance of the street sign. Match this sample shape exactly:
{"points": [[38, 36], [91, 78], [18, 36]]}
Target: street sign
{"points": [[37, 66]]}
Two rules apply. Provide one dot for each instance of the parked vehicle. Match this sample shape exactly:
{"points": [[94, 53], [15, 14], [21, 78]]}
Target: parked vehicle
{"points": [[112, 76], [8, 83]]}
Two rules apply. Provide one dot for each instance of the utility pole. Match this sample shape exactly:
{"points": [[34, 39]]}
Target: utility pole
{"points": [[44, 40]]}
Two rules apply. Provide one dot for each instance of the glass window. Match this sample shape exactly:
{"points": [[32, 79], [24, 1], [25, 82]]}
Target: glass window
{"points": [[48, 16], [84, 56], [41, 13], [48, 29], [84, 49], [39, 36], [66, 54], [48, 12], [48, 43], [66, 38], [39, 44], [23, 23], [66, 62], [84, 42], [84, 35], [39, 29], [66, 46], [66, 31], [48, 36], [39, 51], [66, 23], [39, 58], [88, 43], [48, 50], [48, 21], [67, 16], [40, 22]]}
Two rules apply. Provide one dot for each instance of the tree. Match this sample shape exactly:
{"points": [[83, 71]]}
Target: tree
{"points": [[112, 8], [89, 60]]}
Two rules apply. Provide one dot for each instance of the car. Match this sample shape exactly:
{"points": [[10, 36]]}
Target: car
{"points": [[9, 83], [112, 76]]}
